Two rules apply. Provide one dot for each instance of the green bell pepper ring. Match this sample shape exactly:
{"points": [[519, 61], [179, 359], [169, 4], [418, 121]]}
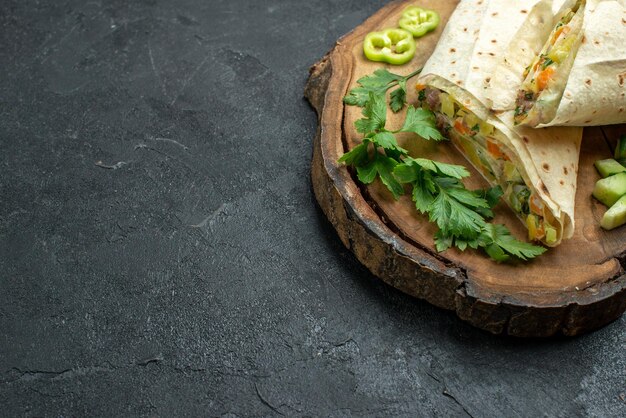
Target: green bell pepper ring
{"points": [[418, 21], [393, 46]]}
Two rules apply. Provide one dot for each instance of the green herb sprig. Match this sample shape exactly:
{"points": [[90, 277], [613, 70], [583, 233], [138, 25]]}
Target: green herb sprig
{"points": [[437, 189], [378, 83]]}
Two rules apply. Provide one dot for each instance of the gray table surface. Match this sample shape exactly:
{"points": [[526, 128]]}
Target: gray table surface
{"points": [[161, 252]]}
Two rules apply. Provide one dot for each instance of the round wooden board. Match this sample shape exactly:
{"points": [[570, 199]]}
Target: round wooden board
{"points": [[576, 287]]}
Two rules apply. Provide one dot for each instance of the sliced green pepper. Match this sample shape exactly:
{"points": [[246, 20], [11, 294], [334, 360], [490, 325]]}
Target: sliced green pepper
{"points": [[418, 21], [393, 46]]}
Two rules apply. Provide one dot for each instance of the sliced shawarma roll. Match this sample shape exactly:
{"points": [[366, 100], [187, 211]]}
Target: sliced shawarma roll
{"points": [[535, 168], [577, 77]]}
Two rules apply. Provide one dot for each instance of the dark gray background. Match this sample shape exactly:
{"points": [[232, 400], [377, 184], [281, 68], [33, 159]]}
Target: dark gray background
{"points": [[161, 251]]}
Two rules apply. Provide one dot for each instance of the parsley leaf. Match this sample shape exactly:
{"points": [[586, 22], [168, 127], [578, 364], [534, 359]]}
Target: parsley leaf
{"points": [[442, 241], [492, 195], [382, 166], [357, 156], [466, 197], [367, 173], [453, 217], [423, 195], [407, 172], [380, 78], [375, 112], [496, 252], [397, 99], [421, 122], [359, 96], [387, 140], [377, 84], [503, 238], [449, 170], [385, 166]]}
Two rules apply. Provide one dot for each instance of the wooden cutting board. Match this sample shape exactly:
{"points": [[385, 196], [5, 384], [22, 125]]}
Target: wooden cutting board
{"points": [[576, 287]]}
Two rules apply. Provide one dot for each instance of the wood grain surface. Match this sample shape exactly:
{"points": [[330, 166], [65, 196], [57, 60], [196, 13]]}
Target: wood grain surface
{"points": [[574, 288]]}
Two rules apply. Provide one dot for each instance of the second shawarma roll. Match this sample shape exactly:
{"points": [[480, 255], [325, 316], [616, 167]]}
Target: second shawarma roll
{"points": [[578, 78], [536, 169]]}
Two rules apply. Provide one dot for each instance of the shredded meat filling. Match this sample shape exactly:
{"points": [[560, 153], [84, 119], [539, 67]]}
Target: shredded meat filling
{"points": [[432, 98], [525, 101]]}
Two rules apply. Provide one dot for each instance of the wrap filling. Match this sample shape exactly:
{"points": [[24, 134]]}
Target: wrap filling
{"points": [[545, 78], [480, 143]]}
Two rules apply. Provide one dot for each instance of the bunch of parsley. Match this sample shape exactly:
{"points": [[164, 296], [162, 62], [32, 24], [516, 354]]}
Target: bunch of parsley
{"points": [[462, 215]]}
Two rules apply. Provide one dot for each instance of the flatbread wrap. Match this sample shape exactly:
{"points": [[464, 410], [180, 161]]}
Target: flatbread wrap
{"points": [[578, 76], [535, 168]]}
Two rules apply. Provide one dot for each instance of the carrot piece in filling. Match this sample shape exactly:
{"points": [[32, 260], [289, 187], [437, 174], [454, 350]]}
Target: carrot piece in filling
{"points": [[495, 151], [460, 127], [544, 77]]}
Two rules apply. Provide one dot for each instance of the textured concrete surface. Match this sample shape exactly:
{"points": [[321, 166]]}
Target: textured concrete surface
{"points": [[161, 252]]}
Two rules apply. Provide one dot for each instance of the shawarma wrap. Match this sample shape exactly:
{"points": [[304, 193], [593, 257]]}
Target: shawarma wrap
{"points": [[578, 76], [535, 168]]}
